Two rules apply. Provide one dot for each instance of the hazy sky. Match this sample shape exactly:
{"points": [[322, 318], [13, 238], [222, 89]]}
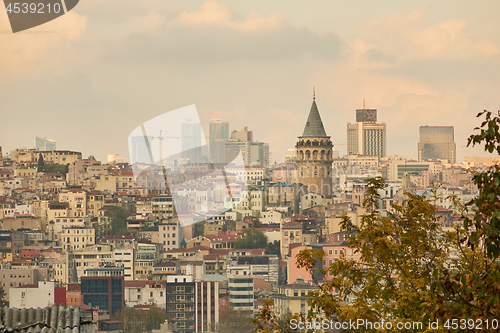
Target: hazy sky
{"points": [[88, 78]]}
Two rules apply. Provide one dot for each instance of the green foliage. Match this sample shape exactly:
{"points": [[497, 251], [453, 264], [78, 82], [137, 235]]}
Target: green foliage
{"points": [[251, 239], [232, 321], [473, 290], [198, 229], [114, 222], [392, 279], [42, 167], [3, 302], [62, 169], [139, 321], [41, 164], [274, 248], [154, 318], [134, 320], [406, 272], [229, 226]]}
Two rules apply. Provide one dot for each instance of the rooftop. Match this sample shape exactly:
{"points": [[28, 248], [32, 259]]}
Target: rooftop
{"points": [[314, 126]]}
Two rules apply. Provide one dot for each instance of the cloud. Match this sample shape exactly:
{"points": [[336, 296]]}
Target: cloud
{"points": [[25, 53], [405, 38], [215, 14], [151, 22], [414, 74], [213, 35]]}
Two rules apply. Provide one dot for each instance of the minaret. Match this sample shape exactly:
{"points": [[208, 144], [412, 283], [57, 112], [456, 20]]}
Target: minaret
{"points": [[314, 155]]}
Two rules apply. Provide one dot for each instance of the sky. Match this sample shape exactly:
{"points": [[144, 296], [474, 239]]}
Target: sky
{"points": [[89, 78]]}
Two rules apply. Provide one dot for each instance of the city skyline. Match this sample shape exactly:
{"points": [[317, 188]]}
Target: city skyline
{"points": [[417, 64]]}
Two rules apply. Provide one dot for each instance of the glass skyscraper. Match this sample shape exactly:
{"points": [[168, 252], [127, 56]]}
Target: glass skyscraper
{"points": [[44, 144], [366, 137], [437, 142]]}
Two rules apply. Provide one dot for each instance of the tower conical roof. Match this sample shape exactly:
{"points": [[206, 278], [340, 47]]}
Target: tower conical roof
{"points": [[314, 126]]}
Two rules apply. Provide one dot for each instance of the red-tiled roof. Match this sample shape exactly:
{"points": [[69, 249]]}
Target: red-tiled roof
{"points": [[226, 251], [137, 283], [441, 209], [29, 285], [181, 250]]}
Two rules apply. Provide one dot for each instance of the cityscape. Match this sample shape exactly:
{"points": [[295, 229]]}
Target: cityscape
{"points": [[358, 195]]}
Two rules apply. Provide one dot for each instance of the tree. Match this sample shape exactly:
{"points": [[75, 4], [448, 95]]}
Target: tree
{"points": [[472, 290], [235, 321], [274, 248], [62, 169], [251, 239], [117, 219], [391, 279], [3, 302], [405, 272], [41, 163], [229, 225], [154, 318], [134, 320]]}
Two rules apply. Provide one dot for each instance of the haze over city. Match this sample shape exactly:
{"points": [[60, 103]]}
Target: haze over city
{"points": [[249, 166], [91, 76]]}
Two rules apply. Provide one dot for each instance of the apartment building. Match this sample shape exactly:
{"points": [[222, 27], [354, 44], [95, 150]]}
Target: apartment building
{"points": [[75, 238], [240, 289], [194, 305], [147, 255], [95, 201], [40, 295], [145, 293], [93, 256], [292, 298], [104, 288], [291, 233], [163, 207], [265, 267], [170, 234], [125, 257], [77, 202], [14, 277]]}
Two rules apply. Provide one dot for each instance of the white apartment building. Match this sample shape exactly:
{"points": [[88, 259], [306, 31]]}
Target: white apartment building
{"points": [[125, 256]]}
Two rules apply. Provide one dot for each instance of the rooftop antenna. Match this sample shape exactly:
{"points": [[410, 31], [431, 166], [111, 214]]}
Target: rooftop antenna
{"points": [[364, 103], [314, 93]]}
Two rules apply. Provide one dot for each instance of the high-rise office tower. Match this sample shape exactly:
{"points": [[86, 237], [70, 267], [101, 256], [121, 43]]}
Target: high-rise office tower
{"points": [[314, 155], [437, 142], [366, 137], [218, 131], [252, 152], [44, 144], [141, 150], [191, 134]]}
